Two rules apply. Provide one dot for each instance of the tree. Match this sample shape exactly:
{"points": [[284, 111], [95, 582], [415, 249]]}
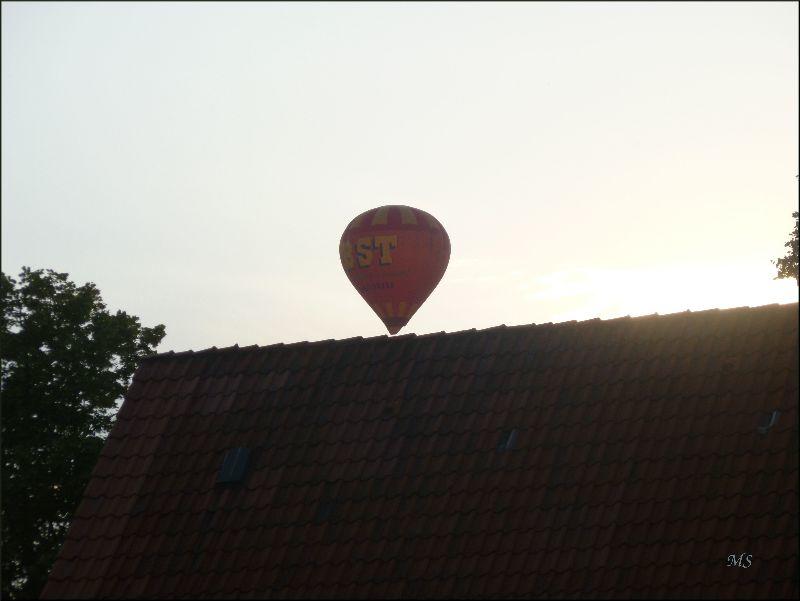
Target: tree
{"points": [[787, 266], [66, 361]]}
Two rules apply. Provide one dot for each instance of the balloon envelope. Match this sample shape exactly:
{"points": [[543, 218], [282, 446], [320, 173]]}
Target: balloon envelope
{"points": [[394, 256]]}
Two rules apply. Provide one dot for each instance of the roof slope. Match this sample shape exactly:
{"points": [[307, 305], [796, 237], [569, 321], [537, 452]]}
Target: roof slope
{"points": [[620, 458]]}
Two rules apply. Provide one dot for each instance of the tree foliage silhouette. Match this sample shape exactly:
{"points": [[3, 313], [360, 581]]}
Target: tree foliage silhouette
{"points": [[66, 361], [787, 266]]}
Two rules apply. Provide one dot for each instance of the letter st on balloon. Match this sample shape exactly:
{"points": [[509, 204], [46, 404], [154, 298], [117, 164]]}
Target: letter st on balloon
{"points": [[361, 253]]}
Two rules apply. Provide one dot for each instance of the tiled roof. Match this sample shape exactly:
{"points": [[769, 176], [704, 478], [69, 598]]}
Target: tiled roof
{"points": [[620, 458]]}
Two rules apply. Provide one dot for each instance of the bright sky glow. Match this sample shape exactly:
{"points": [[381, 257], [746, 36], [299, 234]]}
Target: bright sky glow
{"points": [[199, 161]]}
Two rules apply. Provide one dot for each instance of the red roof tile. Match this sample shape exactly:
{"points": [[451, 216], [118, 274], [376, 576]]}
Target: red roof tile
{"points": [[620, 458]]}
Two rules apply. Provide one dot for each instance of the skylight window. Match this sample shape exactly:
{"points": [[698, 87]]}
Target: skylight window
{"points": [[234, 466], [325, 511]]}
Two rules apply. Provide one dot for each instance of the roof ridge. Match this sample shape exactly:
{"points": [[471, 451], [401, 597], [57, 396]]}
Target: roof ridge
{"points": [[442, 333]]}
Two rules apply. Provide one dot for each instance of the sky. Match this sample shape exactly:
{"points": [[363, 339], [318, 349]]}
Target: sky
{"points": [[199, 161]]}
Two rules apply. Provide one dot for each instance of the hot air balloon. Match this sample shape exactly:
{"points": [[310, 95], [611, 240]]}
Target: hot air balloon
{"points": [[395, 256]]}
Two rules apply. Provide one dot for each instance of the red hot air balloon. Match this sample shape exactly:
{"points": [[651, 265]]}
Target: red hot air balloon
{"points": [[394, 256]]}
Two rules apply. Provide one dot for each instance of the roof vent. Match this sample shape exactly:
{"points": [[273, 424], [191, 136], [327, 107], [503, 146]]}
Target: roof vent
{"points": [[234, 466], [770, 422], [507, 440]]}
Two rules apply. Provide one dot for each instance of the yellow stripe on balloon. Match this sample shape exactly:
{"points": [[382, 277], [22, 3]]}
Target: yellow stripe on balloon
{"points": [[401, 309], [381, 216], [434, 225], [407, 216], [389, 310]]}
